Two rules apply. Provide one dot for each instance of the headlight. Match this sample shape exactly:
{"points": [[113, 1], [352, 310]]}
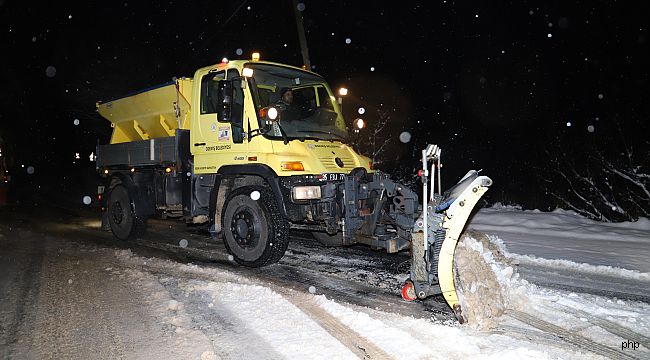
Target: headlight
{"points": [[306, 192]]}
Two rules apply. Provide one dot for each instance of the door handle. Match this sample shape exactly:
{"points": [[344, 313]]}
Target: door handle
{"points": [[199, 144]]}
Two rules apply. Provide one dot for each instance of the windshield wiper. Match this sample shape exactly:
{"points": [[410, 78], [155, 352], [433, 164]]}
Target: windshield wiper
{"points": [[323, 132]]}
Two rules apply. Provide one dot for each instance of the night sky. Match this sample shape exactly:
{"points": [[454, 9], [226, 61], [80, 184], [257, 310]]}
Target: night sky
{"points": [[501, 86]]}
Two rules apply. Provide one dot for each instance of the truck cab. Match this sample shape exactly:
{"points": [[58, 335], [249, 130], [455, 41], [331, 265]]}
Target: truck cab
{"points": [[242, 121]]}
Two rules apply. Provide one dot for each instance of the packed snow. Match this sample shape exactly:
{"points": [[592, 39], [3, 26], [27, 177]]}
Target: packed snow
{"points": [[214, 312], [560, 240]]}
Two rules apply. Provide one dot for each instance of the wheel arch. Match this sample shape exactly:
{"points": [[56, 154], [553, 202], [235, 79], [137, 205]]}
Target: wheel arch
{"points": [[141, 206], [232, 177]]}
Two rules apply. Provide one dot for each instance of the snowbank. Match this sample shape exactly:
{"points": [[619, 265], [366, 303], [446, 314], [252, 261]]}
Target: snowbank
{"points": [[565, 235]]}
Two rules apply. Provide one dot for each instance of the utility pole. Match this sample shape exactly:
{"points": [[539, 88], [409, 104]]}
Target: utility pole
{"points": [[301, 36]]}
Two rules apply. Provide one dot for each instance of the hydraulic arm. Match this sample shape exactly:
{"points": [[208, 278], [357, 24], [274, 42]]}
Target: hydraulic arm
{"points": [[436, 231]]}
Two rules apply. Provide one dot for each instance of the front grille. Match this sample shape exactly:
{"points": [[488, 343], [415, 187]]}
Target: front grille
{"points": [[330, 164]]}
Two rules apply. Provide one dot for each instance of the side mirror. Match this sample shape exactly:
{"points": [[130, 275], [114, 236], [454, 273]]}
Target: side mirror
{"points": [[226, 95]]}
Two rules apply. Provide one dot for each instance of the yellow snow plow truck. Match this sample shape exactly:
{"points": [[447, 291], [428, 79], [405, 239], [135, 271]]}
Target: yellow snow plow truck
{"points": [[253, 149]]}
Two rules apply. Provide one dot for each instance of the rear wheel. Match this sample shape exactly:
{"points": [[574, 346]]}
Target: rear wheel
{"points": [[123, 222], [255, 233]]}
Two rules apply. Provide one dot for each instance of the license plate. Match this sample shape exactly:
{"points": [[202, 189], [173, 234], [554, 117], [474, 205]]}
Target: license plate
{"points": [[333, 177]]}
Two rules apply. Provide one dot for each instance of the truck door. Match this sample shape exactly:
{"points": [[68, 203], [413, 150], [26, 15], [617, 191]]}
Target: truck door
{"points": [[216, 142]]}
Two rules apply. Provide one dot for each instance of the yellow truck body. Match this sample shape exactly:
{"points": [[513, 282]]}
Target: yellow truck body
{"points": [[150, 114], [160, 111]]}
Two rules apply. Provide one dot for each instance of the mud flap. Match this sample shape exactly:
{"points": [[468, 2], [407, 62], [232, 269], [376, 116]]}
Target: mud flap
{"points": [[105, 225]]}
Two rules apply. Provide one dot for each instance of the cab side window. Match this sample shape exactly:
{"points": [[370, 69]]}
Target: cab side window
{"points": [[325, 99], [210, 92]]}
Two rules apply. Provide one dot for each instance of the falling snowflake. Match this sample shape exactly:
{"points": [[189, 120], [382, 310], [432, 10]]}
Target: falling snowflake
{"points": [[405, 137], [361, 111], [601, 96], [255, 195], [50, 71], [239, 51], [87, 200], [30, 170], [549, 35], [34, 39], [301, 7], [312, 290], [568, 124], [183, 243], [76, 122], [348, 40], [372, 68], [591, 128]]}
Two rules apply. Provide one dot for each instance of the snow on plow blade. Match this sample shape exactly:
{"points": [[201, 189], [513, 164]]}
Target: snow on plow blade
{"points": [[437, 230]]}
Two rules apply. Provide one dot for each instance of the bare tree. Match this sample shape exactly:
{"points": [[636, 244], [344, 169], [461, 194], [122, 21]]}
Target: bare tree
{"points": [[612, 186], [375, 139]]}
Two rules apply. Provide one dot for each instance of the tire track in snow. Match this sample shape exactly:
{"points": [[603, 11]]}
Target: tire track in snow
{"points": [[358, 344], [569, 336], [73, 317], [20, 273], [609, 326]]}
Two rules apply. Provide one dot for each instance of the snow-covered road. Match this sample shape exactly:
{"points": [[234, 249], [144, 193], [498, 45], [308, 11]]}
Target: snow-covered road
{"points": [[69, 290]]}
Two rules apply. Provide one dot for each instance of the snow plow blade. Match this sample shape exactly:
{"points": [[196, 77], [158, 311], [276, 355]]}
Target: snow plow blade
{"points": [[437, 230]]}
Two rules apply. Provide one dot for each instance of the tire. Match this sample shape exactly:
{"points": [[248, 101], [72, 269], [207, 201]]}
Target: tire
{"points": [[326, 239], [254, 231], [123, 222]]}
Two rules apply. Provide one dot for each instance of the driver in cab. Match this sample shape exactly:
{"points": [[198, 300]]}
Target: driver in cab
{"points": [[288, 111]]}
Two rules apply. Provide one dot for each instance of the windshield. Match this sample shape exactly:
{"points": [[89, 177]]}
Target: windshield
{"points": [[304, 104]]}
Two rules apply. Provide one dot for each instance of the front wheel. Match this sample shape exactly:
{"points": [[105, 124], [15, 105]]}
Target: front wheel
{"points": [[255, 233]]}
